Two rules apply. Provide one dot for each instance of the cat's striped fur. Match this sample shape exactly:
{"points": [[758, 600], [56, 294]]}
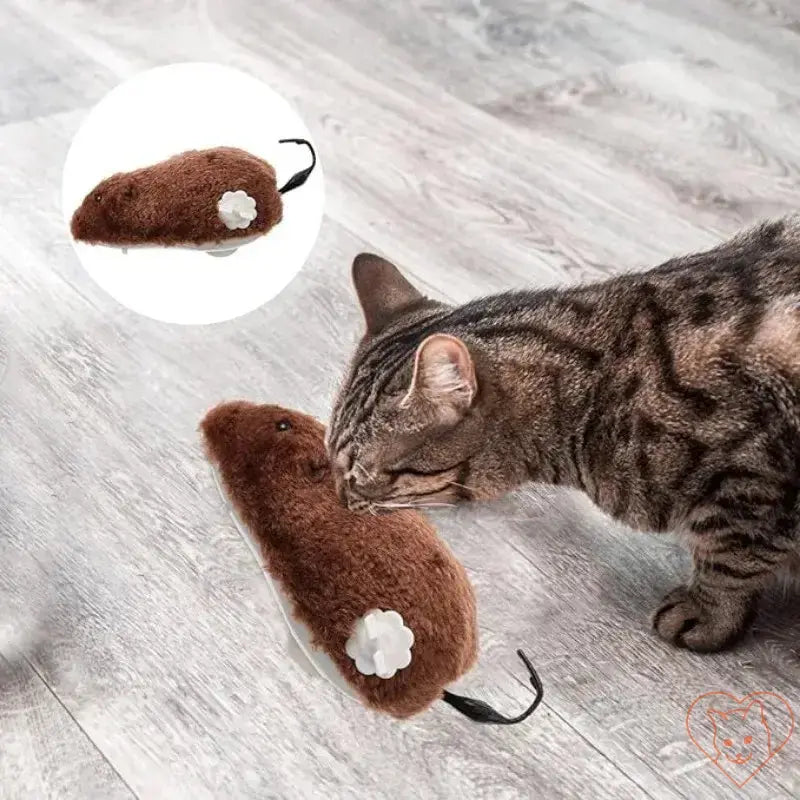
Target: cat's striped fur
{"points": [[671, 397]]}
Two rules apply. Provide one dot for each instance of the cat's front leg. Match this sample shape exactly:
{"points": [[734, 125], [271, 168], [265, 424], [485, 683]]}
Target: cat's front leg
{"points": [[703, 618], [731, 569]]}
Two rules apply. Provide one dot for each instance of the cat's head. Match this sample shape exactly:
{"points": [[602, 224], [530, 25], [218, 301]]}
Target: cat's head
{"points": [[414, 421], [741, 734]]}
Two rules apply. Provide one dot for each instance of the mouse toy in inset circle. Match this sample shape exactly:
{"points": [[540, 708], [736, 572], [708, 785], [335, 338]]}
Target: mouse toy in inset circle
{"points": [[211, 200]]}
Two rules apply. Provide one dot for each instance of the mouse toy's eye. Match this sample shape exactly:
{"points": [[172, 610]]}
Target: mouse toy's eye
{"points": [[98, 197], [748, 739], [728, 742], [283, 425]]}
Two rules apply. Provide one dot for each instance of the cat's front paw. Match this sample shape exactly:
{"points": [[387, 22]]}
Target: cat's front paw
{"points": [[684, 621]]}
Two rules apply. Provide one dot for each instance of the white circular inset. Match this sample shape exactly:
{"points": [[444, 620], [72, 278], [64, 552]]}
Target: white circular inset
{"points": [[163, 112]]}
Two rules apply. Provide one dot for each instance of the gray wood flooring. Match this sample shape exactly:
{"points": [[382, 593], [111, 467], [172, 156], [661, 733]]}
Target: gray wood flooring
{"points": [[483, 144]]}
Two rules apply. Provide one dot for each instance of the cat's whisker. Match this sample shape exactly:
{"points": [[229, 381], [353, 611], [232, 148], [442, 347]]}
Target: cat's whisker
{"points": [[463, 486], [415, 505]]}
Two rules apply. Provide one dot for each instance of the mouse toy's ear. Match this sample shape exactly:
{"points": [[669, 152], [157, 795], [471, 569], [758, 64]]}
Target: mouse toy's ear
{"points": [[479, 711], [382, 291], [317, 469]]}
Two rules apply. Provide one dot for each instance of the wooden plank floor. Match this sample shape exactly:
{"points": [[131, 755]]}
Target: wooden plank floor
{"points": [[483, 144]]}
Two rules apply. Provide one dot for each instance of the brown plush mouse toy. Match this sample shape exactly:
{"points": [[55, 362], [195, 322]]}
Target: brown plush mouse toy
{"points": [[382, 598], [213, 200]]}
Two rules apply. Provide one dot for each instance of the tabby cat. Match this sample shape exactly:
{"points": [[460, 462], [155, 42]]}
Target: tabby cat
{"points": [[670, 397]]}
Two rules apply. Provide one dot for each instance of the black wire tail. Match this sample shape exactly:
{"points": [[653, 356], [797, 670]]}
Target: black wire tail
{"points": [[299, 178], [478, 711]]}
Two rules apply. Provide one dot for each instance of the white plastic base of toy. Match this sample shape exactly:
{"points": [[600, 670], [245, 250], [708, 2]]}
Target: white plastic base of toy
{"points": [[212, 248], [221, 253], [313, 661]]}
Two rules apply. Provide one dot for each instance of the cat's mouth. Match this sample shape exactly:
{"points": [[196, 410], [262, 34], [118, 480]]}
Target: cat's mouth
{"points": [[361, 505], [378, 501], [739, 758], [364, 507]]}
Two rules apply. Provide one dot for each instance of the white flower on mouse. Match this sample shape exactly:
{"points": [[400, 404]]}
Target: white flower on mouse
{"points": [[380, 643], [237, 209]]}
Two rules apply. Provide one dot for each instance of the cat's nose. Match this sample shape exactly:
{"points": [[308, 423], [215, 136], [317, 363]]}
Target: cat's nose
{"points": [[366, 491]]}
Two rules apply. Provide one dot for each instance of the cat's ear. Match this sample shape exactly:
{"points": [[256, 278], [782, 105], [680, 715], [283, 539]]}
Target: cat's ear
{"points": [[444, 374], [382, 291]]}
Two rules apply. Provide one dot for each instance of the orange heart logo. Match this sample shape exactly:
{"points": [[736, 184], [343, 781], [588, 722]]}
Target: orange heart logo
{"points": [[740, 735]]}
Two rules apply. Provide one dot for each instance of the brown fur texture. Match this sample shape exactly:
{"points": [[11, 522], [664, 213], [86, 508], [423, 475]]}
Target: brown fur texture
{"points": [[670, 397], [337, 565], [175, 201]]}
